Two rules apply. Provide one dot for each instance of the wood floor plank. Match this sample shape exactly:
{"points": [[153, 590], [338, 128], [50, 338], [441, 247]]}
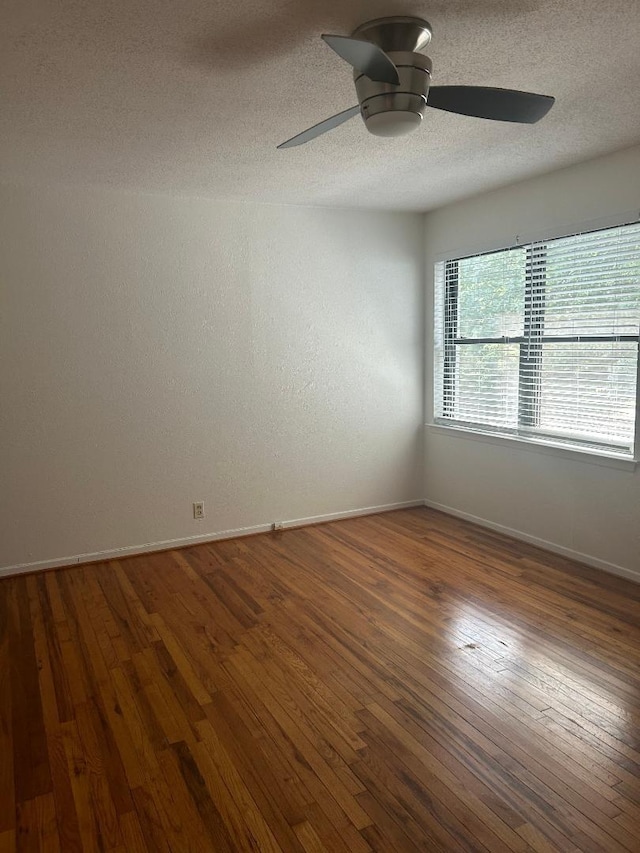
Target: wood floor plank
{"points": [[448, 787], [37, 826], [32, 776], [240, 812], [65, 803], [78, 773], [59, 678], [53, 709], [181, 662], [385, 829], [7, 785], [315, 767], [151, 826], [400, 682], [202, 797], [279, 792], [8, 841], [309, 838], [134, 839]]}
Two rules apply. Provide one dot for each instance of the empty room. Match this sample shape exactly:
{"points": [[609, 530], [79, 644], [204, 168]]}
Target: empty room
{"points": [[319, 435]]}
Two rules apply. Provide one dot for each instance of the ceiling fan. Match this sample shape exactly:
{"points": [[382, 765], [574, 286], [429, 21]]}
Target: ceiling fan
{"points": [[392, 77]]}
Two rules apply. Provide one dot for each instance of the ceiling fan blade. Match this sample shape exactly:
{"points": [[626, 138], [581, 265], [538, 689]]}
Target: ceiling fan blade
{"points": [[365, 57], [320, 128], [496, 104]]}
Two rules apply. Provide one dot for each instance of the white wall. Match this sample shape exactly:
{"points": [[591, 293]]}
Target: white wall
{"points": [[574, 505], [156, 351]]}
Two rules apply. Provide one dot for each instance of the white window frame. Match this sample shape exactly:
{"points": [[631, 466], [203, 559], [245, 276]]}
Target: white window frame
{"points": [[535, 442]]}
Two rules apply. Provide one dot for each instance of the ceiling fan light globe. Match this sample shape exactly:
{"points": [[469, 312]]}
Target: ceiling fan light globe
{"points": [[393, 123]]}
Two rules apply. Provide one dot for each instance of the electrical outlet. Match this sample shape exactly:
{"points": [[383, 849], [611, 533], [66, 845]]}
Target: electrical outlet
{"points": [[278, 525], [198, 509]]}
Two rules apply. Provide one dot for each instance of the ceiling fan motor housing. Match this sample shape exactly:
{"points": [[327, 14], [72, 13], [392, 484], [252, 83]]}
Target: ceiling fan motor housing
{"points": [[390, 110]]}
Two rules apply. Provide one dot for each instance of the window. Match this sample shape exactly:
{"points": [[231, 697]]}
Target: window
{"points": [[540, 341]]}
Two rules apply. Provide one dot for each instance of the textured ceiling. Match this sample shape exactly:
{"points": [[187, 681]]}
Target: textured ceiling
{"points": [[192, 97]]}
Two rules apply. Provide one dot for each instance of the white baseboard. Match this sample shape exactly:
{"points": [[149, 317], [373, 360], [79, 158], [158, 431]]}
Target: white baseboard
{"points": [[594, 562], [185, 541]]}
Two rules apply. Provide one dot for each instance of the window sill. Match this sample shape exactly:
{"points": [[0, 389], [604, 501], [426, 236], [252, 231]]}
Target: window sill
{"points": [[573, 453]]}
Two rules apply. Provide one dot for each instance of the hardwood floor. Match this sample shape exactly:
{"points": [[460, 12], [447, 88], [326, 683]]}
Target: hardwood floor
{"points": [[402, 682]]}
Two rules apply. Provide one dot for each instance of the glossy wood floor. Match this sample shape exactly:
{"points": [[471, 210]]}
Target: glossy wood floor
{"points": [[400, 682]]}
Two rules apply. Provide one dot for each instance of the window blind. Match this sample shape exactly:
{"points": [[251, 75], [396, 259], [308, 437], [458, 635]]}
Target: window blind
{"points": [[540, 341]]}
